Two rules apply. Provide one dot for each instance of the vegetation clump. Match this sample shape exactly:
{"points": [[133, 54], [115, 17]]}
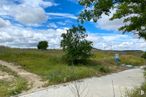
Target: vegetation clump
{"points": [[43, 45], [77, 48], [144, 55], [131, 11]]}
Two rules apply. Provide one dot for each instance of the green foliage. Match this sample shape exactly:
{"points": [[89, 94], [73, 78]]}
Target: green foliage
{"points": [[134, 60], [42, 45], [76, 47], [133, 12], [104, 69], [144, 55]]}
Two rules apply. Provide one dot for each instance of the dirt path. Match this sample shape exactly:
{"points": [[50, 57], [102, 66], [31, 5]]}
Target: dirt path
{"points": [[34, 80], [104, 86]]}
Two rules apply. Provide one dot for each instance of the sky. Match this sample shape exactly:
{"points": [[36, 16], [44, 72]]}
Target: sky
{"points": [[23, 23]]}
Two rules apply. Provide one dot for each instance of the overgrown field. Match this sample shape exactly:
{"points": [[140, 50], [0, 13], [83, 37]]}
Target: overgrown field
{"points": [[12, 85], [52, 67]]}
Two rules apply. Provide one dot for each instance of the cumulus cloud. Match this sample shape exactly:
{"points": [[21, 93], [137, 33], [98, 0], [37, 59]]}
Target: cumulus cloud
{"points": [[32, 17], [20, 37], [117, 42], [4, 23], [31, 12], [106, 24], [27, 11], [15, 36]]}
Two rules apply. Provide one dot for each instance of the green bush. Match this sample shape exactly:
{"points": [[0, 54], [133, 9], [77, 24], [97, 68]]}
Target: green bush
{"points": [[104, 69]]}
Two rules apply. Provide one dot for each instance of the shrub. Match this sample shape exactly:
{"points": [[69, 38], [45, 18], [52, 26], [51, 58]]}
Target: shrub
{"points": [[104, 69]]}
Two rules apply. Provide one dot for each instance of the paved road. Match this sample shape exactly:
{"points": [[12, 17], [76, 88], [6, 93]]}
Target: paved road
{"points": [[96, 86]]}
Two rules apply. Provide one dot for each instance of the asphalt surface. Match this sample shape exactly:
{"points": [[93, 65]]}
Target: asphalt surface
{"points": [[113, 85]]}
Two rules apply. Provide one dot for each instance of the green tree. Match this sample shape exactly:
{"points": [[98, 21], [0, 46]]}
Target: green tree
{"points": [[133, 12], [76, 47], [42, 45]]}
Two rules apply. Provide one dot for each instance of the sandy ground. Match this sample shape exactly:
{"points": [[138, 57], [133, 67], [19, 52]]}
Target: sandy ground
{"points": [[5, 76], [34, 80], [113, 85]]}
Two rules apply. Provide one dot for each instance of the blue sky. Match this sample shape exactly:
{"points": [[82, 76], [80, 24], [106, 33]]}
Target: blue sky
{"points": [[23, 23]]}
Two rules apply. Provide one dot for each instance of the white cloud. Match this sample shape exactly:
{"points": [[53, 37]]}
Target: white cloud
{"points": [[52, 25], [28, 38], [106, 24], [4, 23], [117, 42], [66, 15], [15, 36], [28, 12], [31, 12], [47, 4], [27, 15]]}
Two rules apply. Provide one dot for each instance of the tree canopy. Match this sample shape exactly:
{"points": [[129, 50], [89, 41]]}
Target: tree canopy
{"points": [[77, 48], [42, 45], [132, 11]]}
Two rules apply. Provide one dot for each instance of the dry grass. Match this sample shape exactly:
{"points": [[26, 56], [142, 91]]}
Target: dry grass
{"points": [[11, 87]]}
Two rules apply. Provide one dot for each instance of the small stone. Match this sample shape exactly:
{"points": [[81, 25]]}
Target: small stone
{"points": [[143, 67], [123, 65], [129, 66]]}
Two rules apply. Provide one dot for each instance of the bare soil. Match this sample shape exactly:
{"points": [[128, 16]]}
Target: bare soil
{"points": [[34, 81]]}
